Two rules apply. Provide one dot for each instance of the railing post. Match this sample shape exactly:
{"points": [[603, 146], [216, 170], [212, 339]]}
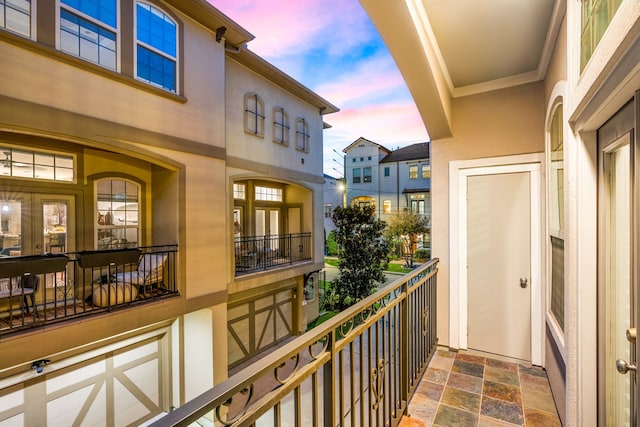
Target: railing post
{"points": [[404, 345], [329, 384]]}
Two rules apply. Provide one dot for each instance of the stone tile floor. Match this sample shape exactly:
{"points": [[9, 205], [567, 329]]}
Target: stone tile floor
{"points": [[461, 389]]}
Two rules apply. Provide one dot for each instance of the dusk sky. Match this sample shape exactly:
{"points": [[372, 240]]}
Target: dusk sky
{"points": [[331, 47]]}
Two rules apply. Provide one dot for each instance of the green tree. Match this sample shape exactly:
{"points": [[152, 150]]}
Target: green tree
{"points": [[362, 257], [405, 227]]}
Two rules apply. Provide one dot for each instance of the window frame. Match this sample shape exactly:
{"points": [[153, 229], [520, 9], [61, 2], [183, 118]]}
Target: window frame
{"points": [[281, 129], [303, 135], [356, 173], [31, 20], [107, 226], [8, 151], [387, 171], [255, 115], [413, 171], [367, 177], [425, 171]]}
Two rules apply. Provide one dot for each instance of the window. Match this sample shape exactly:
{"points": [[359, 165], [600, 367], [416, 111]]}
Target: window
{"points": [[117, 214], [239, 191], [253, 114], [369, 158], [356, 175], [302, 135], [362, 159], [386, 206], [413, 172], [88, 30], [15, 16], [426, 171], [366, 174], [37, 165], [556, 215], [353, 160], [327, 211], [387, 171], [280, 126], [156, 47], [269, 194], [596, 16]]}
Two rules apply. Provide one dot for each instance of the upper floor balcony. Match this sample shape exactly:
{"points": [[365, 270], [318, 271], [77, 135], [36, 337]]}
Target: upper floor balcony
{"points": [[259, 253], [39, 290]]}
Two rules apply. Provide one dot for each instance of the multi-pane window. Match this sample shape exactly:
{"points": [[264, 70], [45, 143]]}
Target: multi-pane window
{"points": [[413, 172], [88, 29], [156, 47], [366, 174], [596, 16], [117, 214], [15, 15], [386, 206], [302, 135], [356, 175], [327, 211], [36, 165], [387, 171], [426, 171], [556, 215], [239, 191], [268, 194], [280, 126], [253, 114]]}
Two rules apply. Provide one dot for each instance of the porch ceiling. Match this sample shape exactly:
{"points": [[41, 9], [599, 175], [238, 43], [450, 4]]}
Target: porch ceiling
{"points": [[451, 48]]}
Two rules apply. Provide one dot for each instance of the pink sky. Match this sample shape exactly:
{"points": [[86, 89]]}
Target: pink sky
{"points": [[331, 47]]}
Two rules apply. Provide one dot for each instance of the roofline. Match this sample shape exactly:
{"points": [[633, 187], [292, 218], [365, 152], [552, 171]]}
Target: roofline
{"points": [[274, 74], [344, 150]]}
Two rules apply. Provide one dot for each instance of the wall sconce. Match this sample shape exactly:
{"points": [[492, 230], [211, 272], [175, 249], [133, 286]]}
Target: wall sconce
{"points": [[39, 365]]}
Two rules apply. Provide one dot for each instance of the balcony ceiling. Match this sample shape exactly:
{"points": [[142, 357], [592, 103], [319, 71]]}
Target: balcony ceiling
{"points": [[452, 48]]}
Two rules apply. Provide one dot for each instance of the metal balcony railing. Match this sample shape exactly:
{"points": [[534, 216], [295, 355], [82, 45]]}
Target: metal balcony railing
{"points": [[360, 368], [258, 253], [37, 290]]}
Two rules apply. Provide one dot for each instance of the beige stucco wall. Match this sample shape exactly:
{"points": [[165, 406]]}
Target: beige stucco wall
{"points": [[499, 123]]}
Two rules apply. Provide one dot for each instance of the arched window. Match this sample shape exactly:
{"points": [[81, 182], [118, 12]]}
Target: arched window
{"points": [[280, 126], [302, 135], [253, 114], [156, 47], [117, 213], [556, 213]]}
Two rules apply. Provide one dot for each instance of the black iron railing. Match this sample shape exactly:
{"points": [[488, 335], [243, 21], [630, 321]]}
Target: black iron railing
{"points": [[359, 368], [37, 290], [258, 253]]}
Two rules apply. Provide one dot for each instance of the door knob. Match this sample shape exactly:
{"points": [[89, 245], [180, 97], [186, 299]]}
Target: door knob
{"points": [[631, 335], [523, 282], [623, 367]]}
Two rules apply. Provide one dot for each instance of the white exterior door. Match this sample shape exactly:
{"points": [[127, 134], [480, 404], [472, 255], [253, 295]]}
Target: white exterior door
{"points": [[498, 264]]}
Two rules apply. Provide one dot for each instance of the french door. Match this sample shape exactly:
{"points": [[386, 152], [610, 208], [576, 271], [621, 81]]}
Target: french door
{"points": [[619, 188]]}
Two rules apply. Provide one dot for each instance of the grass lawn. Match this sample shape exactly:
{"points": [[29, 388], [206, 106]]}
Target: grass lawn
{"points": [[392, 267], [323, 317]]}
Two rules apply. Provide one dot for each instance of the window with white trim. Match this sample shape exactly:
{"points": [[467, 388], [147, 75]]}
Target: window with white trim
{"points": [[302, 135], [253, 114], [268, 194], [366, 174], [556, 215], [156, 47], [426, 171], [88, 30], [280, 126], [117, 213], [356, 175], [413, 172], [15, 16]]}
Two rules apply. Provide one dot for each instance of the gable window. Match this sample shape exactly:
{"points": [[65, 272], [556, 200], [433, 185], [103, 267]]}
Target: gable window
{"points": [[36, 165], [156, 47], [88, 29], [366, 174], [280, 126], [253, 114], [596, 16], [556, 215], [413, 172], [426, 171], [387, 171], [302, 135], [117, 214], [15, 16], [356, 175]]}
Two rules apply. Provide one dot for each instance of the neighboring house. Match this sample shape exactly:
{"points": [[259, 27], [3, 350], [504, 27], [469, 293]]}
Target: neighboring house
{"points": [[127, 153], [333, 197], [390, 180], [535, 184]]}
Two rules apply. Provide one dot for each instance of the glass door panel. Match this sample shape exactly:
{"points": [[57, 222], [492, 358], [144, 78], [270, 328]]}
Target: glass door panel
{"points": [[11, 227]]}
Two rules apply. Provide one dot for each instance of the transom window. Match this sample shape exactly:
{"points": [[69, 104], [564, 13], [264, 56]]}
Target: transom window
{"points": [[280, 126], [253, 114], [596, 16], [239, 191], [156, 47], [413, 172], [117, 214], [88, 29], [36, 165], [268, 194], [15, 16], [302, 135]]}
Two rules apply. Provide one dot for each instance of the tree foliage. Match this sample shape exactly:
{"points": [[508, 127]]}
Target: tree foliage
{"points": [[362, 257], [405, 227]]}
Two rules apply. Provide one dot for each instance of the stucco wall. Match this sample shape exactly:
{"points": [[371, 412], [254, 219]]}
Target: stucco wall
{"points": [[504, 122]]}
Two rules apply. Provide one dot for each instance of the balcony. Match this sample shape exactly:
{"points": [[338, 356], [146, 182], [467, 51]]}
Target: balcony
{"points": [[359, 368], [260, 253], [40, 290]]}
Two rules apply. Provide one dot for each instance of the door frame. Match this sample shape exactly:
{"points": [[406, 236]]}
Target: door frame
{"points": [[459, 171]]}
